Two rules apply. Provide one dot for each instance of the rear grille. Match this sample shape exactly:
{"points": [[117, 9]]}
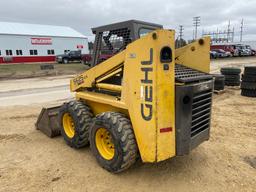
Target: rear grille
{"points": [[185, 74], [201, 112]]}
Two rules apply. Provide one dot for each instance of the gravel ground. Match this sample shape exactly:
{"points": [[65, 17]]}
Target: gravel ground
{"points": [[30, 161]]}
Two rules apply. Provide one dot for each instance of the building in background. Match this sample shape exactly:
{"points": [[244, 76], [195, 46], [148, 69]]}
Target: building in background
{"points": [[24, 43]]}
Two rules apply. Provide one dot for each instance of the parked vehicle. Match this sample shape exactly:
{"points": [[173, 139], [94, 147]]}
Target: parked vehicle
{"points": [[213, 55], [226, 47], [242, 50], [221, 53], [86, 59], [253, 51], [229, 54], [71, 56]]}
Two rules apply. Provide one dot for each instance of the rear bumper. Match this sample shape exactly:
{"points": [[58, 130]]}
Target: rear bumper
{"points": [[193, 115]]}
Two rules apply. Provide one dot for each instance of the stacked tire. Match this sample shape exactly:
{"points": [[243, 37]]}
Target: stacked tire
{"points": [[248, 85], [219, 82], [232, 75]]}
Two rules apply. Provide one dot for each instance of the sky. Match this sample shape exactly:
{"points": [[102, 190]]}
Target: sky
{"points": [[82, 15]]}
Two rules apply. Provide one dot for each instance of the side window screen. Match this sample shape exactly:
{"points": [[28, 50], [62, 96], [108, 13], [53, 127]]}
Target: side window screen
{"points": [[114, 41], [144, 31]]}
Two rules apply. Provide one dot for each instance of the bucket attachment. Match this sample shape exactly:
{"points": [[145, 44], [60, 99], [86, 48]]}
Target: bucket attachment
{"points": [[47, 121]]}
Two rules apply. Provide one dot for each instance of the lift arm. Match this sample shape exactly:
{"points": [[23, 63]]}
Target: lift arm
{"points": [[106, 68]]}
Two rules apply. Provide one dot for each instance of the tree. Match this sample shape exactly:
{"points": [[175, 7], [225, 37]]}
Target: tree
{"points": [[180, 43]]}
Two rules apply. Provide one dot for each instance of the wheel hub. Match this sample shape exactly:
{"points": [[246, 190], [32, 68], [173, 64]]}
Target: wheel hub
{"points": [[68, 125], [104, 143]]}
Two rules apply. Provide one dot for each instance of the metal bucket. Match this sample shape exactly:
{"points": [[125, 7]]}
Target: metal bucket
{"points": [[47, 121]]}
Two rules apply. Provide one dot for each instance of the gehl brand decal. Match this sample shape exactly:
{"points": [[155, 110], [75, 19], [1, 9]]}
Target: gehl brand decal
{"points": [[147, 102]]}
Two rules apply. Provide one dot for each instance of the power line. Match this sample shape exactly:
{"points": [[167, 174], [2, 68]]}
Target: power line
{"points": [[196, 24], [241, 30], [220, 35]]}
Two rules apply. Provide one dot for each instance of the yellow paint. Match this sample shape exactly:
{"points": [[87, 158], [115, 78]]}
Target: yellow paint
{"points": [[104, 143], [105, 76], [153, 146], [68, 125], [110, 87], [101, 98], [165, 101], [195, 55], [98, 108]]}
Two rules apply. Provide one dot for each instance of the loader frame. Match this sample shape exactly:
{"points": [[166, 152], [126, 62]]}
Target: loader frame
{"points": [[165, 93], [146, 92]]}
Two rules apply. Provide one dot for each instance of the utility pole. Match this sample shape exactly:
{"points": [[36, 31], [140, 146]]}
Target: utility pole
{"points": [[228, 34], [241, 30], [196, 24], [233, 34], [181, 29], [217, 35]]}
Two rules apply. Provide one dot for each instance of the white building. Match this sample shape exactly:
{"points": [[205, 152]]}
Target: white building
{"points": [[22, 43]]}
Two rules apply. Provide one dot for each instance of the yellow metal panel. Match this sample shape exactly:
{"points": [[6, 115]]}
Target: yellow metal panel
{"points": [[142, 68], [133, 95], [195, 55], [165, 101], [98, 108]]}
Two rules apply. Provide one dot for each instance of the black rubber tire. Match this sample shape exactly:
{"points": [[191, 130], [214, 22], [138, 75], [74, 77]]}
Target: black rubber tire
{"points": [[219, 81], [228, 83], [248, 93], [249, 78], [250, 70], [121, 130], [230, 71], [65, 61], [232, 78], [82, 116], [219, 87], [248, 85]]}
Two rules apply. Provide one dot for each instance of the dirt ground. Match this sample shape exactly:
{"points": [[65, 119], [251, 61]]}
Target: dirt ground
{"points": [[30, 161]]}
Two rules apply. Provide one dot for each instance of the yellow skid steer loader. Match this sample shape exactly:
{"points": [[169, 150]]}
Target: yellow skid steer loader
{"points": [[141, 97]]}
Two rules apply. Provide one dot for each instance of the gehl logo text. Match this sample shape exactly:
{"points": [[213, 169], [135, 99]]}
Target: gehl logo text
{"points": [[147, 104]]}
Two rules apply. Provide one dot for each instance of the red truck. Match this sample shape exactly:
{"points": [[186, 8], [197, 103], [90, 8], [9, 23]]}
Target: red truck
{"points": [[227, 48]]}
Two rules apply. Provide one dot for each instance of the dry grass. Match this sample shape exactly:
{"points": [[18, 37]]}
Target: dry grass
{"points": [[33, 70]]}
